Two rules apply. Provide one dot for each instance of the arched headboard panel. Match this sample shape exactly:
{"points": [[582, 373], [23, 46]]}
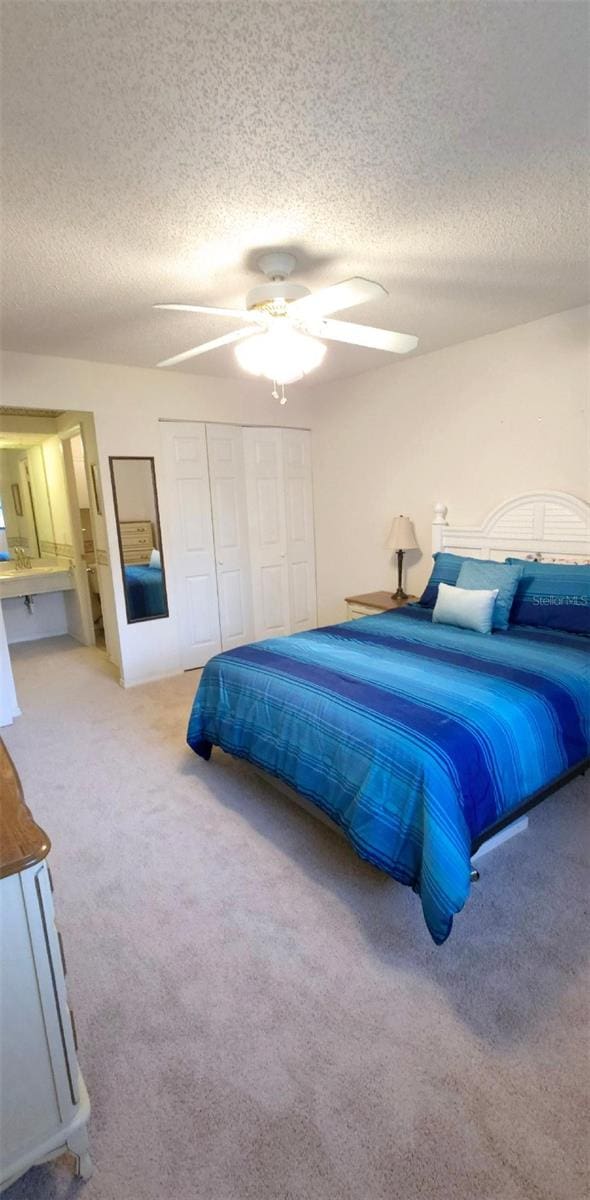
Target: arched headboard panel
{"points": [[537, 524]]}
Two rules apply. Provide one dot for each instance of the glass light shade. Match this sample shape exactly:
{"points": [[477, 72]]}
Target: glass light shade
{"points": [[281, 354]]}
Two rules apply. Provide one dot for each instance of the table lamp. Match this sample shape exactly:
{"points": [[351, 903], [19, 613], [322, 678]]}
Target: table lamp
{"points": [[401, 537]]}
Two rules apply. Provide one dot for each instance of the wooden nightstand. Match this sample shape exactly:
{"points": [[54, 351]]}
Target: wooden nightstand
{"points": [[372, 603]]}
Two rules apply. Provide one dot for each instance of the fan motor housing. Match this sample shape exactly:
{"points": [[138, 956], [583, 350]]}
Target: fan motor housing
{"points": [[269, 293]]}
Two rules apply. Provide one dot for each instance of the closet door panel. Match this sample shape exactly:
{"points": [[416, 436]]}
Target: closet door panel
{"points": [[193, 502], [302, 610], [299, 528], [226, 507], [296, 510], [230, 530], [202, 615], [231, 603], [268, 514], [193, 558], [272, 599], [265, 490]]}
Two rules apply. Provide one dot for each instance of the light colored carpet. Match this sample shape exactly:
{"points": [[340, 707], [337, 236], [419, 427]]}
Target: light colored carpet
{"points": [[264, 1017]]}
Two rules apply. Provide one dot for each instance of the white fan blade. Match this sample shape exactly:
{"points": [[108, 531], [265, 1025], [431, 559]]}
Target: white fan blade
{"points": [[336, 298], [203, 308], [365, 335], [220, 341]]}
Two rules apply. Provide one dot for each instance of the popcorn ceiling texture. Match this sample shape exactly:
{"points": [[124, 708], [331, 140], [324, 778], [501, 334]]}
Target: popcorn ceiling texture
{"points": [[150, 148]]}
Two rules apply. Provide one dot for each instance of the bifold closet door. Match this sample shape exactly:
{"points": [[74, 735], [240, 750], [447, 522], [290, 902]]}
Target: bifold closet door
{"points": [[191, 562], [265, 490], [299, 525], [230, 533]]}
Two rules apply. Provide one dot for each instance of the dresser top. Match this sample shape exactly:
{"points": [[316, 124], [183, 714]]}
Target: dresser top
{"points": [[22, 841], [382, 600]]}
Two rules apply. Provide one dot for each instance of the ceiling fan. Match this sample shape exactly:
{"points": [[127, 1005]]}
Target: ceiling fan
{"points": [[287, 325]]}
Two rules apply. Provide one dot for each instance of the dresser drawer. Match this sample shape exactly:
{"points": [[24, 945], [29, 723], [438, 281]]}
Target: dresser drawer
{"points": [[136, 539], [136, 527], [362, 610], [136, 557]]}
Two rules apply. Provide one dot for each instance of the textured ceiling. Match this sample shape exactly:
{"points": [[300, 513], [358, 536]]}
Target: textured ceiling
{"points": [[150, 148]]}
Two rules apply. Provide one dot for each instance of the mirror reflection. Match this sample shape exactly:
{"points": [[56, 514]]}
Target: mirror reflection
{"points": [[140, 541], [26, 521]]}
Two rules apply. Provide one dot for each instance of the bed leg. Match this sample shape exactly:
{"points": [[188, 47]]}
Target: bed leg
{"points": [[474, 875]]}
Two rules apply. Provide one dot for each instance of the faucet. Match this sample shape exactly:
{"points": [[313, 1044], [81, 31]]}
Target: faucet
{"points": [[23, 561]]}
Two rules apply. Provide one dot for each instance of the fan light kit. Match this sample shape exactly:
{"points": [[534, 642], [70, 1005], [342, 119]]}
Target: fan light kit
{"points": [[287, 326]]}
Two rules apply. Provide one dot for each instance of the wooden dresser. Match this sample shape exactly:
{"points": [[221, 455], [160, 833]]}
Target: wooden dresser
{"points": [[137, 541], [44, 1105], [370, 603]]}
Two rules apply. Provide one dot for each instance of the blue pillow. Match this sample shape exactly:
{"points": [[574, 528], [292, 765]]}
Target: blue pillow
{"points": [[445, 570], [553, 596], [4, 557], [478, 573], [466, 607]]}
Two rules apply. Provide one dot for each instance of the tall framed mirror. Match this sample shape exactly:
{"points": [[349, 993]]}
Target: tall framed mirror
{"points": [[140, 537]]}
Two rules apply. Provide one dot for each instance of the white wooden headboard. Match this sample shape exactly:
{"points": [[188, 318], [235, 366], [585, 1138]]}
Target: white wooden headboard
{"points": [[538, 524]]}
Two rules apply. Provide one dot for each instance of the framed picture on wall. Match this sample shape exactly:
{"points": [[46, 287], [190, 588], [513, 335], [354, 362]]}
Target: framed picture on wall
{"points": [[16, 499], [94, 474]]}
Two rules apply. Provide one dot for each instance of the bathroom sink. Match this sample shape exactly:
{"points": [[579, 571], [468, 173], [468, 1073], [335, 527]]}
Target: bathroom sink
{"points": [[31, 581], [7, 573]]}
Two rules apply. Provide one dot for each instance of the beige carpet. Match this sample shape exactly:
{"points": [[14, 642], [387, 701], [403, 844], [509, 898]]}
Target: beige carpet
{"points": [[262, 1016]]}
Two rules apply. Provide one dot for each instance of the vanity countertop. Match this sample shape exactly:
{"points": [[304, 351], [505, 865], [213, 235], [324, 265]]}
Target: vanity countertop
{"points": [[22, 841], [34, 580]]}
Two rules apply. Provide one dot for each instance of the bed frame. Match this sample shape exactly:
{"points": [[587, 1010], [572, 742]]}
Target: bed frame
{"points": [[536, 525], [539, 525]]}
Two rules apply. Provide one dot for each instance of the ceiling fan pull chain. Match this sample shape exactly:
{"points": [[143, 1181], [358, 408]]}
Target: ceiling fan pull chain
{"points": [[283, 397], [274, 393]]}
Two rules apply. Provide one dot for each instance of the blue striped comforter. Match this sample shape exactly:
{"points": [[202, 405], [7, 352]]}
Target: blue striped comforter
{"points": [[145, 592], [413, 737]]}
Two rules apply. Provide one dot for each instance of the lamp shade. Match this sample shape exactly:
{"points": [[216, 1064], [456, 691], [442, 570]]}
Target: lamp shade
{"points": [[401, 535]]}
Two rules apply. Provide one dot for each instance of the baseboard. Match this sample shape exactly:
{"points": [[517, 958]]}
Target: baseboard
{"points": [[131, 683]]}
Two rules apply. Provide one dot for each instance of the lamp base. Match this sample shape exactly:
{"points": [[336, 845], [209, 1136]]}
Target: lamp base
{"points": [[400, 594]]}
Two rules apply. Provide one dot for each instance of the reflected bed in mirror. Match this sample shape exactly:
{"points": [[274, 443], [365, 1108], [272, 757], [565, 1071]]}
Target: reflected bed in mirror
{"points": [[140, 539]]}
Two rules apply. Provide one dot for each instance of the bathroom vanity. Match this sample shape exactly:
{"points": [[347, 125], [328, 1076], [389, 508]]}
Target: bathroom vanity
{"points": [[34, 598], [44, 1105], [34, 580]]}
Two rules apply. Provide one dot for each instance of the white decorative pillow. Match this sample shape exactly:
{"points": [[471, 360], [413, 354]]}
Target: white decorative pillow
{"points": [[466, 607], [155, 560]]}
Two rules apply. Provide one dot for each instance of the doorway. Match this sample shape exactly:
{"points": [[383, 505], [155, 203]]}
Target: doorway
{"points": [[55, 579]]}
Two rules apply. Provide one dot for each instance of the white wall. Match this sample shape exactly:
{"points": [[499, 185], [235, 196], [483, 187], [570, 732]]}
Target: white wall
{"points": [[471, 426], [127, 404], [47, 616], [135, 490], [80, 472], [56, 491]]}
